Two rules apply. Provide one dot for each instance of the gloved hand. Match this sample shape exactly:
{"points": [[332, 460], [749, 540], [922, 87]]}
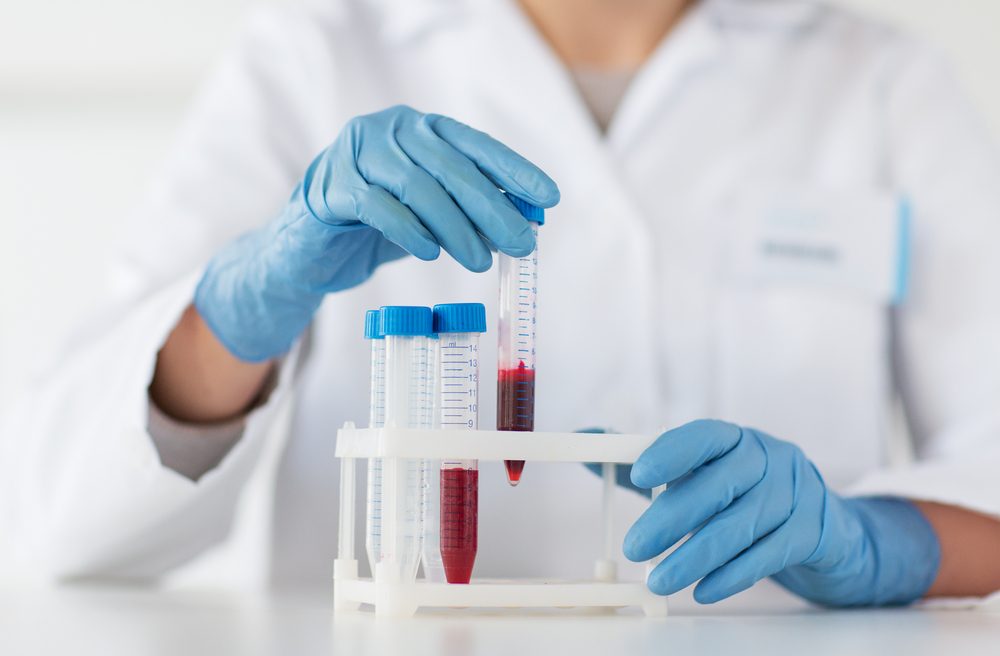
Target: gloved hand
{"points": [[758, 507], [394, 182], [622, 472]]}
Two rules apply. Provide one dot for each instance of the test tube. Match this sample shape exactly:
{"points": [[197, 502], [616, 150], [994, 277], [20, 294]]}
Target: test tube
{"points": [[376, 419], [458, 326], [431, 556], [405, 329], [516, 361]]}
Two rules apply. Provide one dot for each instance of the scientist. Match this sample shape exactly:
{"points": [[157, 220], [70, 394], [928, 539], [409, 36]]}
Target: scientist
{"points": [[771, 212]]}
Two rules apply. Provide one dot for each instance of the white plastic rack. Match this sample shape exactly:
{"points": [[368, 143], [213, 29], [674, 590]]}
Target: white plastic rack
{"points": [[395, 598]]}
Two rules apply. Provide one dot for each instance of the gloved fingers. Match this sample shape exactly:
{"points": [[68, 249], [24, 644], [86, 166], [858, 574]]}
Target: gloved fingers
{"points": [[621, 476], [387, 251], [483, 204], [376, 207], [695, 499], [722, 538], [681, 450], [336, 194], [622, 472], [507, 169], [434, 208], [769, 555]]}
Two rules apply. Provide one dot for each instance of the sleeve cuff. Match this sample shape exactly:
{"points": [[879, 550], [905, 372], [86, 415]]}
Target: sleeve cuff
{"points": [[193, 450]]}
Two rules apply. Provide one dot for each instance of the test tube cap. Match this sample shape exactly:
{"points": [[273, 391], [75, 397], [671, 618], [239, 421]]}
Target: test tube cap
{"points": [[527, 210], [406, 320], [460, 318], [371, 325]]}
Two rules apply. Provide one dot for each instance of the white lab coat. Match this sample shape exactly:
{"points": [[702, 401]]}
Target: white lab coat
{"points": [[729, 249]]}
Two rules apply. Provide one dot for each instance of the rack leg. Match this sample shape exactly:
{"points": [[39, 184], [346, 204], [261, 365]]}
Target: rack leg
{"points": [[653, 562], [345, 529], [606, 569], [654, 605], [345, 566], [343, 570], [393, 597]]}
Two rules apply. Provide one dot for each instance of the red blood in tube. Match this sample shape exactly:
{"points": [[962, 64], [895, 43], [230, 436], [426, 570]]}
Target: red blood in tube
{"points": [[515, 408], [459, 522], [514, 469]]}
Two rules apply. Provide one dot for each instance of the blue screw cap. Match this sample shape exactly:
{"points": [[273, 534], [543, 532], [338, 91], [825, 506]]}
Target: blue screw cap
{"points": [[460, 318], [406, 320], [527, 210], [371, 325]]}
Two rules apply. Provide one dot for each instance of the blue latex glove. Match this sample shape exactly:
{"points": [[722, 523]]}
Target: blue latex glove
{"points": [[758, 507], [394, 182], [623, 473]]}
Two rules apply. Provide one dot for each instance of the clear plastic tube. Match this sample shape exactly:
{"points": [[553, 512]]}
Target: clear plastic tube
{"points": [[431, 557], [459, 376], [516, 352], [402, 481], [376, 419]]}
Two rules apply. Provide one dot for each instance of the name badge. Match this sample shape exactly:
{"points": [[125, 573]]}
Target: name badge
{"points": [[846, 239]]}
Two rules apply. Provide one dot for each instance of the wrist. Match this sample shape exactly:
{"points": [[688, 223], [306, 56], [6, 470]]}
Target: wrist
{"points": [[906, 550], [873, 551], [252, 300], [196, 379]]}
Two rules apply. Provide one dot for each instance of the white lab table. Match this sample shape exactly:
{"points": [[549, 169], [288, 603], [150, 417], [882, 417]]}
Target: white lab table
{"points": [[83, 620]]}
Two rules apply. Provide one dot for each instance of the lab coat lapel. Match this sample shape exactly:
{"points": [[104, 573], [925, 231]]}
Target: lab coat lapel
{"points": [[530, 75], [694, 43]]}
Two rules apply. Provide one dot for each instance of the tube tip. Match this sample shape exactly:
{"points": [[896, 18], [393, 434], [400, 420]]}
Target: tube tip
{"points": [[514, 469]]}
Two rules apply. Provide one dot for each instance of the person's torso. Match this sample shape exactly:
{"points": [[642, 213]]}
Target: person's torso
{"points": [[719, 253]]}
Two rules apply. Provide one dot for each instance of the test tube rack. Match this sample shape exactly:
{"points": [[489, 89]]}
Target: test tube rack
{"points": [[392, 598]]}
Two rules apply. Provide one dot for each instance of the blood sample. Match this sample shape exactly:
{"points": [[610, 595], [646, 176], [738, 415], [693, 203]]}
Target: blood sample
{"points": [[459, 522], [515, 408], [516, 362], [458, 326]]}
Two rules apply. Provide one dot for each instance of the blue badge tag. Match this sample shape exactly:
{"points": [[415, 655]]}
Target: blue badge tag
{"points": [[852, 240]]}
